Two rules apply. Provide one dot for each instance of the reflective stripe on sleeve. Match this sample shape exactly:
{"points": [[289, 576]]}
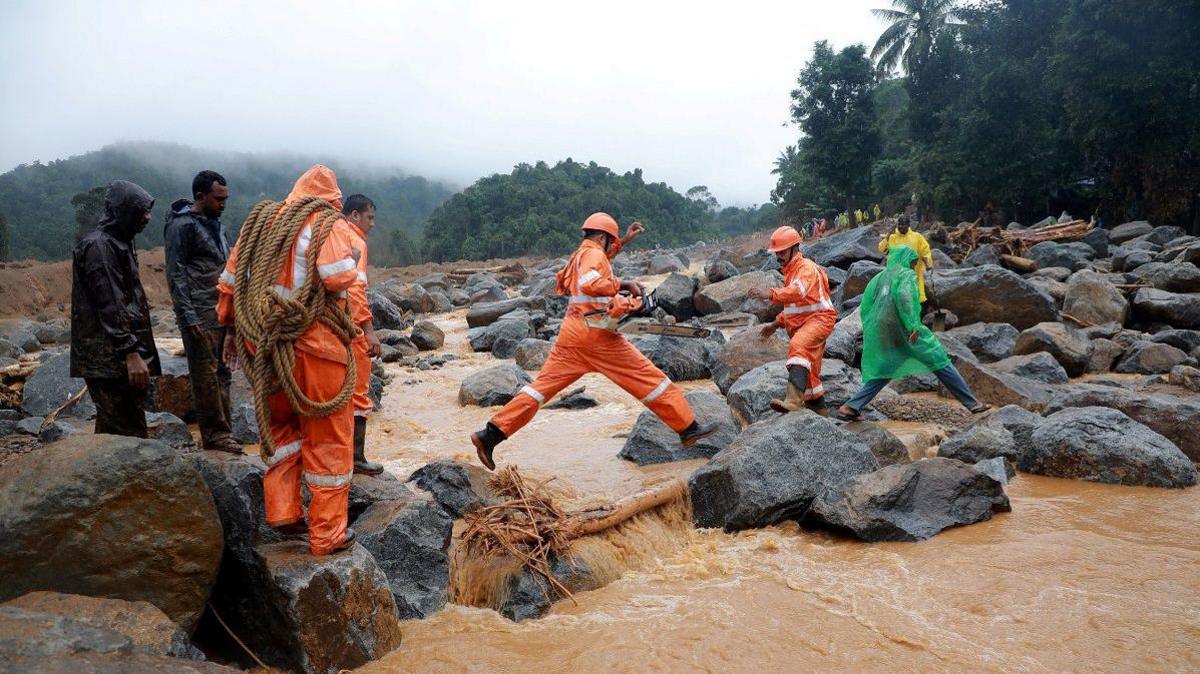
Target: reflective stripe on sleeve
{"points": [[282, 453], [807, 308], [344, 264], [532, 393], [588, 299], [590, 276], [362, 276], [329, 481], [658, 390], [283, 291], [227, 278]]}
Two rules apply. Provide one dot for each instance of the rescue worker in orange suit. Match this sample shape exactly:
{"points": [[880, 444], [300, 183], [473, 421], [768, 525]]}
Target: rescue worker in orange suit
{"points": [[808, 317], [360, 213], [581, 348], [315, 449]]}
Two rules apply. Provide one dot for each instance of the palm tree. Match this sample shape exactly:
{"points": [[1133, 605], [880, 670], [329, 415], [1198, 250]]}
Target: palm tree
{"points": [[914, 25]]}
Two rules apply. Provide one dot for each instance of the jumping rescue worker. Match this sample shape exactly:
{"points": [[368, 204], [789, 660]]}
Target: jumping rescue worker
{"points": [[360, 213], [315, 448], [582, 347], [808, 317]]}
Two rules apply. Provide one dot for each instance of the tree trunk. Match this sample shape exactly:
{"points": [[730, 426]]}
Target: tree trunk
{"points": [[850, 210]]}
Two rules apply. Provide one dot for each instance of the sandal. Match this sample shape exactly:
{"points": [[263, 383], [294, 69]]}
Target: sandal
{"points": [[842, 416], [979, 408]]}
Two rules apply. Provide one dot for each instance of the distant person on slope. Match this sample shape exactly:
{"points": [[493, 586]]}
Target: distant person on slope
{"points": [[196, 249], [808, 317], [904, 235], [360, 214], [895, 342], [581, 348], [112, 345]]}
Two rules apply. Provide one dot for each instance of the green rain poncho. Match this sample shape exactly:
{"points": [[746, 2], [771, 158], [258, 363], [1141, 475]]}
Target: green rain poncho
{"points": [[890, 311]]}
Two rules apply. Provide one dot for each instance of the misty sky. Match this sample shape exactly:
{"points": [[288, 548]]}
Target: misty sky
{"points": [[693, 93]]}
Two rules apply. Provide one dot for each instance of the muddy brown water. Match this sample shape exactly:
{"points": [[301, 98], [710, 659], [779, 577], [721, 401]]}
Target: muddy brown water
{"points": [[1078, 577]]}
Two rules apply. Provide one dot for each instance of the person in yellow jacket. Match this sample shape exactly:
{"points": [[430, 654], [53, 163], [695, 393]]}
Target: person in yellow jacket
{"points": [[904, 235], [877, 212]]}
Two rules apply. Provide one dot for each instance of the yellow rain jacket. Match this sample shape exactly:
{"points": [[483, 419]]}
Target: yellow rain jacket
{"points": [[918, 243]]}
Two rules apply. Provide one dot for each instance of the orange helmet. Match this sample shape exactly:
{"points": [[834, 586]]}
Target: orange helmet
{"points": [[602, 222], [783, 238]]}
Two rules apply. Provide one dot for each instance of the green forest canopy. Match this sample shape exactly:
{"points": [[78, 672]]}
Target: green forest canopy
{"points": [[41, 202]]}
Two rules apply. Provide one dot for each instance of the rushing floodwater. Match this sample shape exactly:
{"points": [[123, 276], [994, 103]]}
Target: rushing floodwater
{"points": [[1078, 577]]}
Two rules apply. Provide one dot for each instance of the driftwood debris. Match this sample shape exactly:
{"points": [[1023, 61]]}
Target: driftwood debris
{"points": [[1014, 242], [530, 528], [1018, 264], [515, 271], [12, 382]]}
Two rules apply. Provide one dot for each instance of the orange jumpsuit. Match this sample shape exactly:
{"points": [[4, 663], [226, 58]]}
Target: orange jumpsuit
{"points": [[588, 280], [360, 311], [319, 449], [808, 316]]}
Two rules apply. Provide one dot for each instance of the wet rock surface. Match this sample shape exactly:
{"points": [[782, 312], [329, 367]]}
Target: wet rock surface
{"points": [[409, 539], [989, 342], [1100, 444], [980, 442], [887, 448], [492, 386], [1067, 345], [680, 358], [774, 470], [743, 352], [991, 294], [1172, 417], [651, 441], [458, 487], [111, 516]]}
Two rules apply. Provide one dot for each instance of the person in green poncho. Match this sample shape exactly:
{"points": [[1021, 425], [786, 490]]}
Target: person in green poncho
{"points": [[895, 342]]}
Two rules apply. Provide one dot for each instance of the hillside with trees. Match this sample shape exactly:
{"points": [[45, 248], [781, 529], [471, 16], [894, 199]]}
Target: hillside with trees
{"points": [[44, 207], [1035, 107]]}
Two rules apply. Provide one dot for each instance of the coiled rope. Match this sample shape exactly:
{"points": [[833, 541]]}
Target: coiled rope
{"points": [[272, 322]]}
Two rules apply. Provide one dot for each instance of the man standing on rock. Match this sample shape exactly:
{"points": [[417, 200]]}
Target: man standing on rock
{"points": [[895, 342], [196, 252], [360, 213], [112, 346], [808, 317], [904, 235], [587, 344]]}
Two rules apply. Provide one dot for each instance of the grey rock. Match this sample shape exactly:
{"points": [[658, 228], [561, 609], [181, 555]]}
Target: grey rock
{"points": [[486, 313], [1068, 346], [845, 342], [651, 441], [1150, 358], [1055, 254], [680, 358], [575, 400], [61, 428], [1186, 376], [427, 337], [1161, 235], [750, 396], [1100, 444], [531, 353], [674, 295], [1176, 277], [51, 385], [458, 487], [1128, 259], [385, 315], [858, 276], [30, 425], [730, 295], [245, 424], [1055, 290], [717, 270], [1092, 298], [1104, 353], [912, 502], [168, 428], [1039, 366], [409, 540], [998, 388], [989, 342], [1172, 417], [408, 296], [992, 294], [665, 264], [842, 249], [998, 469], [493, 386], [979, 442], [1098, 239], [1060, 274], [1128, 231], [983, 255], [1184, 340], [774, 471], [54, 331], [1179, 309], [887, 448]]}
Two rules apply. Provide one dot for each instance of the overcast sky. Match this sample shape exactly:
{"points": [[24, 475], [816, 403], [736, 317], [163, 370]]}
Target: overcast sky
{"points": [[692, 93]]}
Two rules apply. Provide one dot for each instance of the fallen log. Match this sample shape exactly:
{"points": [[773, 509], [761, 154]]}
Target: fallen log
{"points": [[1018, 264]]}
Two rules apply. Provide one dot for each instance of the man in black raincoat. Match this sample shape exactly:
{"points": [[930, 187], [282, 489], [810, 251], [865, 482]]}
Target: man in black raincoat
{"points": [[112, 347], [196, 251]]}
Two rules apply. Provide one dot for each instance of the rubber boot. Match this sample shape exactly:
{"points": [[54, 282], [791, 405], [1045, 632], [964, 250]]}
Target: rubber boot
{"points": [[696, 432], [346, 543], [797, 382], [817, 405], [293, 531], [485, 442], [361, 465]]}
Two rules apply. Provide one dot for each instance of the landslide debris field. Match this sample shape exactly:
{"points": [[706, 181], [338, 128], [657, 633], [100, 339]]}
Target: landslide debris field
{"points": [[1054, 532]]}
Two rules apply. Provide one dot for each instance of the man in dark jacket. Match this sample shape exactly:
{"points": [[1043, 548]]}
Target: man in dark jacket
{"points": [[112, 347], [196, 251]]}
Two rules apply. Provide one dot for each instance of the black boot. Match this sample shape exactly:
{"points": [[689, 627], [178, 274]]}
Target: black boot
{"points": [[485, 442], [293, 531], [361, 465], [696, 432], [347, 541]]}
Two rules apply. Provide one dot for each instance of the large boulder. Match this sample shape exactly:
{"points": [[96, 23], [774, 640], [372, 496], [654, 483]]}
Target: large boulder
{"points": [[998, 388], [427, 337], [989, 342], [842, 249], [887, 448], [680, 358], [486, 313], [743, 352], [730, 294], [1104, 353], [845, 342], [750, 396], [385, 315], [458, 487], [674, 295], [1017, 420], [1055, 254], [1176, 277], [1038, 366], [492, 386], [51, 385], [1100, 444], [331, 613], [980, 442], [502, 337], [992, 294], [409, 539], [531, 353], [1174, 418], [1068, 345], [652, 441], [717, 270], [110, 516], [1150, 358], [858, 276], [982, 255], [1184, 340], [1161, 235], [408, 296], [1090, 297], [774, 471], [913, 501], [1129, 231], [665, 264], [1181, 310]]}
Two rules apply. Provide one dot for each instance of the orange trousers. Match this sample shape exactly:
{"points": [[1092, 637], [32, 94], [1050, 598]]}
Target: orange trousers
{"points": [[614, 358], [318, 450], [807, 349], [362, 403]]}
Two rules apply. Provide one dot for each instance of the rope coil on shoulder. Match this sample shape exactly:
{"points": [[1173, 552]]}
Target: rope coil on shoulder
{"points": [[272, 322]]}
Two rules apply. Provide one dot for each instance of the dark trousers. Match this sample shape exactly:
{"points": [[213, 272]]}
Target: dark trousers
{"points": [[120, 408], [947, 375], [210, 384]]}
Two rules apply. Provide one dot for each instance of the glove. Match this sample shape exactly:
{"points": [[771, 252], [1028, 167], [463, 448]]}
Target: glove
{"points": [[621, 305]]}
